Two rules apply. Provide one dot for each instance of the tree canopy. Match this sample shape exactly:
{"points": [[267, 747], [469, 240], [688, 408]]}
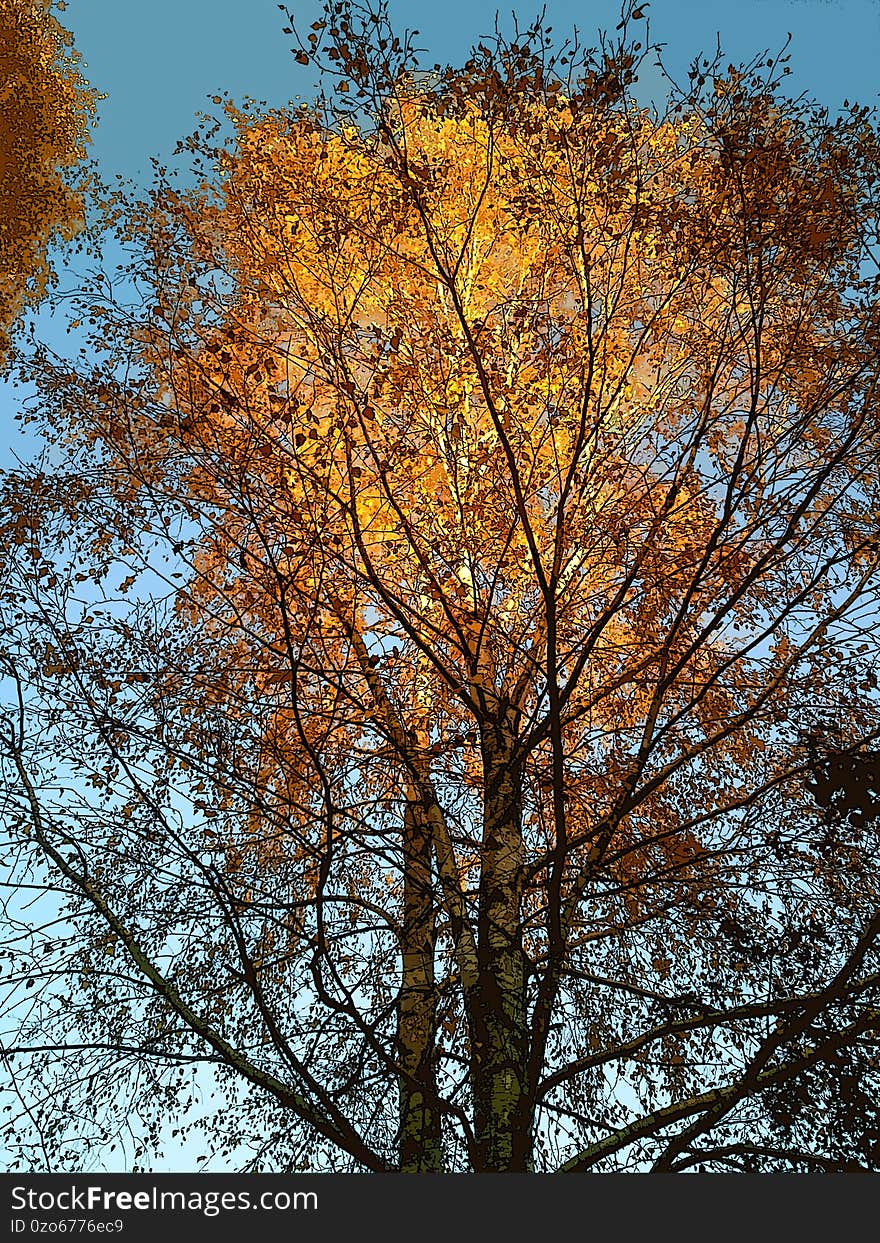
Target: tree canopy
{"points": [[443, 648], [45, 110]]}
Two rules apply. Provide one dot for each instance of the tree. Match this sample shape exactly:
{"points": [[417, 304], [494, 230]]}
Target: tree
{"points": [[455, 584], [45, 110]]}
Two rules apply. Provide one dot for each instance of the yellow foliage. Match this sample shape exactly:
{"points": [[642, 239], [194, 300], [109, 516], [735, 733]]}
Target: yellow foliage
{"points": [[45, 110], [505, 419]]}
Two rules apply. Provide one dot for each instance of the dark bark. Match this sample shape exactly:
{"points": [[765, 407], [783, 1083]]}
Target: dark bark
{"points": [[420, 1137], [499, 1031]]}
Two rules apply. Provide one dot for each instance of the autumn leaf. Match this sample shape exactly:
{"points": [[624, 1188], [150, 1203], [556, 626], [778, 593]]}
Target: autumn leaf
{"points": [[45, 111]]}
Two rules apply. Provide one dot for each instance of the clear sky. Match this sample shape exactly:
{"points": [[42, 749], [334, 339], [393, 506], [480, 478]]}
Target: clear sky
{"points": [[159, 62]]}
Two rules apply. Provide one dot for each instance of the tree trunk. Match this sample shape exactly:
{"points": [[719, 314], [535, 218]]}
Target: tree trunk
{"points": [[499, 1033], [420, 1146]]}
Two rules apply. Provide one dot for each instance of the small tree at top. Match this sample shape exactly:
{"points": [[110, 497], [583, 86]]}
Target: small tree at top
{"points": [[45, 110]]}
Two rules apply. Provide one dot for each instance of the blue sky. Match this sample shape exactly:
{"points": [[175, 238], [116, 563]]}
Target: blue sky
{"points": [[160, 62]]}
